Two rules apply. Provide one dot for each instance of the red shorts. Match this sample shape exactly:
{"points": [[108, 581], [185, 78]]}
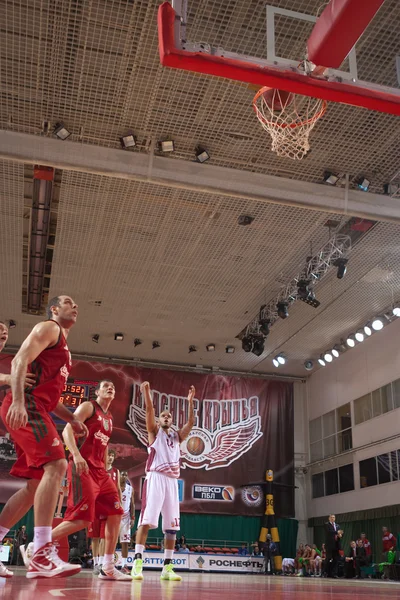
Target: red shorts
{"points": [[97, 529], [91, 495], [36, 444]]}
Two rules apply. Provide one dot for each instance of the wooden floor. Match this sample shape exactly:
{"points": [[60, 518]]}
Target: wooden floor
{"points": [[195, 586]]}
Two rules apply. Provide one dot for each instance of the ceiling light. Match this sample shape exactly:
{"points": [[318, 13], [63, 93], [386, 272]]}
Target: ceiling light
{"points": [[335, 352], [281, 359], [377, 324], [137, 342], [118, 337], [308, 365], [363, 184], [192, 349], [396, 311], [61, 131], [321, 361], [210, 347], [245, 220], [330, 178], [351, 341], [230, 349], [95, 338], [367, 329], [275, 362], [166, 146], [282, 309], [341, 264], [202, 154], [302, 288], [359, 335], [328, 357], [258, 346], [12, 324], [128, 140], [247, 343], [264, 326], [155, 345]]}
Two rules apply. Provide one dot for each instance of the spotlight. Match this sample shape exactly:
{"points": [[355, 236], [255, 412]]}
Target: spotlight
{"points": [[302, 289], [118, 337], [201, 154], [367, 329], [282, 309], [351, 341], [191, 349], [275, 362], [128, 140], [396, 311], [155, 345], [230, 349], [258, 346], [308, 365], [321, 361], [210, 347], [377, 324], [95, 338], [245, 220], [359, 335], [166, 146], [363, 184], [247, 343], [61, 131], [264, 326], [335, 352], [328, 357], [330, 178], [281, 358], [137, 342], [12, 324], [341, 264]]}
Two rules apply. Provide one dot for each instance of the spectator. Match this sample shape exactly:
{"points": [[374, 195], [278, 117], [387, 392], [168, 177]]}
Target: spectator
{"points": [[269, 551], [87, 559], [256, 550], [21, 539], [243, 550], [388, 542], [183, 549], [361, 558], [340, 555], [182, 540], [351, 561], [288, 566], [367, 546]]}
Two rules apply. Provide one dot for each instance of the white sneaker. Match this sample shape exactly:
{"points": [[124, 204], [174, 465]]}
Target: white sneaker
{"points": [[4, 572], [46, 563], [27, 554], [114, 574]]}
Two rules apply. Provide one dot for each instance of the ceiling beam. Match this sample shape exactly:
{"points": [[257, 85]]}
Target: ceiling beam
{"points": [[110, 162]]}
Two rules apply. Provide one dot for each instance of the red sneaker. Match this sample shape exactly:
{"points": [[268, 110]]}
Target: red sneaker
{"points": [[46, 563]]}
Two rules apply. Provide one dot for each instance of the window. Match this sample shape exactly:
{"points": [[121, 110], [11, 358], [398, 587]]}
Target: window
{"points": [[331, 482], [379, 402], [316, 452], [362, 409], [328, 424], [346, 478], [331, 433], [315, 430], [343, 417], [394, 465], [368, 474], [345, 441], [383, 468], [318, 485], [396, 393]]}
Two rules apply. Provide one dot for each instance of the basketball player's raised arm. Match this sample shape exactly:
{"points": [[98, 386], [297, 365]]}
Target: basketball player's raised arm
{"points": [[151, 424], [41, 337], [82, 413], [186, 429]]}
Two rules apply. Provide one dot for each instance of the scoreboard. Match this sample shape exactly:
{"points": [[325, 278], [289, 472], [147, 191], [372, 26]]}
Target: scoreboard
{"points": [[74, 393]]}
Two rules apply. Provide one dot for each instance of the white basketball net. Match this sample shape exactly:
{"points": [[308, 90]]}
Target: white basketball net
{"points": [[289, 125]]}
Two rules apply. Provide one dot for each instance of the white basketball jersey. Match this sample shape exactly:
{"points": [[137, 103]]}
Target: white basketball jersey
{"points": [[165, 454], [126, 496]]}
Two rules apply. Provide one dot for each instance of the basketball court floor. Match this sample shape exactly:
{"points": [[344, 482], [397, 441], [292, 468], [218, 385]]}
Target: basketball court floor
{"points": [[208, 586]]}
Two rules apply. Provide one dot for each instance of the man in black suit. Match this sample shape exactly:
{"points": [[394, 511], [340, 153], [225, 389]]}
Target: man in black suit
{"points": [[332, 553], [351, 561], [361, 558]]}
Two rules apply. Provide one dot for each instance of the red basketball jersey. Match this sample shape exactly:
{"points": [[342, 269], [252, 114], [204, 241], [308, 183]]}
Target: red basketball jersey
{"points": [[99, 432], [51, 369], [113, 473]]}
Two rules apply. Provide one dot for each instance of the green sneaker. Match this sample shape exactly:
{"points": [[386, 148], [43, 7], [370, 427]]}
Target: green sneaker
{"points": [[137, 569], [168, 573]]}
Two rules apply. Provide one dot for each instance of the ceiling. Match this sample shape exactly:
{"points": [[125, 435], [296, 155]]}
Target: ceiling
{"points": [[169, 264]]}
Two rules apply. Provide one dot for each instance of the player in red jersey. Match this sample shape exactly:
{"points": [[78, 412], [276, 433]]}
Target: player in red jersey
{"points": [[40, 453], [91, 491], [5, 379]]}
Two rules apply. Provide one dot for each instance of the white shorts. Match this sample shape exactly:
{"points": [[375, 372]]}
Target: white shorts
{"points": [[125, 529], [160, 495]]}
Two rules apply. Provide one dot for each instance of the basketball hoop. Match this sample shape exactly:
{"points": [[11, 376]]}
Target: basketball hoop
{"points": [[289, 119]]}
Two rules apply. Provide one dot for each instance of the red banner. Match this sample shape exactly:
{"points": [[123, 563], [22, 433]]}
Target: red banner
{"points": [[242, 428]]}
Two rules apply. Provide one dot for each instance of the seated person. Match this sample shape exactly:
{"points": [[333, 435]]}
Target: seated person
{"points": [[243, 550], [383, 568], [361, 558], [183, 549], [299, 554], [256, 550], [288, 566], [304, 561], [350, 568], [315, 561]]}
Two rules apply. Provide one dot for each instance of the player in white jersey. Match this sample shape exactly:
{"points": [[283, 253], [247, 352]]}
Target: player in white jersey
{"points": [[128, 518], [160, 489]]}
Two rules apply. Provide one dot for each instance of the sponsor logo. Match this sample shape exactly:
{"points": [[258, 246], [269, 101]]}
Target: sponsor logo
{"points": [[106, 424], [234, 563], [200, 561], [214, 492], [64, 372], [85, 507], [104, 439], [56, 442], [252, 496], [224, 430], [117, 505]]}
